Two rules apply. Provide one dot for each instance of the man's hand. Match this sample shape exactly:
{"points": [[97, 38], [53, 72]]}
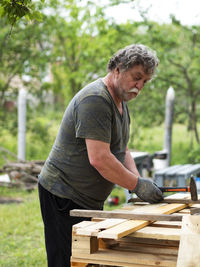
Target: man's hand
{"points": [[147, 190]]}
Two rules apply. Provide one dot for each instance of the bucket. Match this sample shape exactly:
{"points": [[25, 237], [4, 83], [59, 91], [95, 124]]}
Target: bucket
{"points": [[160, 160], [198, 184]]}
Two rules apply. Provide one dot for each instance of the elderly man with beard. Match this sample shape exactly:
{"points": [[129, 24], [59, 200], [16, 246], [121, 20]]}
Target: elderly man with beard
{"points": [[90, 153]]}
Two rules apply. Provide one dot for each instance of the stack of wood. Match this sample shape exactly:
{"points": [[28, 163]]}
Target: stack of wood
{"points": [[138, 242], [23, 173]]}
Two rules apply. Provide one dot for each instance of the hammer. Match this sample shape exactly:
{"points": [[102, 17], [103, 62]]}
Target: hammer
{"points": [[192, 188]]}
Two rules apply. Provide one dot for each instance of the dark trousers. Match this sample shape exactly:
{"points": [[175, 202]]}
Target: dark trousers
{"points": [[57, 227]]}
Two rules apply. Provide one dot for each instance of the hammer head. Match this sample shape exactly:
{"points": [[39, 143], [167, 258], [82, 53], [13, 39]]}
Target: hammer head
{"points": [[193, 189]]}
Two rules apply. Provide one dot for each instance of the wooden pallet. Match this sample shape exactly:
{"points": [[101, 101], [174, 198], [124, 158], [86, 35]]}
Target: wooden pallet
{"points": [[122, 242]]}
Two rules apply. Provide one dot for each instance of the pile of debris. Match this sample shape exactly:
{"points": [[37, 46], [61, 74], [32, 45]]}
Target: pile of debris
{"points": [[22, 173]]}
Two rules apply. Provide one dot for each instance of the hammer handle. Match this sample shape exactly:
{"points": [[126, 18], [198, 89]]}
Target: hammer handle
{"points": [[175, 189]]}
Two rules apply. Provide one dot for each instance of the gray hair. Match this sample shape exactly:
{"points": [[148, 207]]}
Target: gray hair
{"points": [[134, 54]]}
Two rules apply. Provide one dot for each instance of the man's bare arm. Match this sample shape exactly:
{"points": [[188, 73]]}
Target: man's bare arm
{"points": [[129, 163], [108, 166]]}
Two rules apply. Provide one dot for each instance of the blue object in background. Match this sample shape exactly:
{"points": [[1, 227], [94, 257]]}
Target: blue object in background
{"points": [[198, 183]]}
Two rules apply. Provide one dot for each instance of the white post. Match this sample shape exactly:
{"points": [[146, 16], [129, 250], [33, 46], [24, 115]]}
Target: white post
{"points": [[169, 110], [22, 125]]}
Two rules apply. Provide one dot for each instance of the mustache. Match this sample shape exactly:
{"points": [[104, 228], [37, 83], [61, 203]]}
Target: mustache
{"points": [[134, 90]]}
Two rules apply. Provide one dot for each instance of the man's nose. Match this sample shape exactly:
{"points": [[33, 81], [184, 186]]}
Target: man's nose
{"points": [[140, 85]]}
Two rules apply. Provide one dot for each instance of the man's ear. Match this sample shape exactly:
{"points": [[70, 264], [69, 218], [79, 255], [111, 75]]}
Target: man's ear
{"points": [[117, 70]]}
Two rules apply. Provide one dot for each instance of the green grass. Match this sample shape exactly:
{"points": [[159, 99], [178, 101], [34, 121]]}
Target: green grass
{"points": [[152, 139], [21, 231]]}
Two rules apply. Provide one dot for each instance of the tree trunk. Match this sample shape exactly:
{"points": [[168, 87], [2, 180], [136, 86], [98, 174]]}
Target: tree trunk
{"points": [[194, 120]]}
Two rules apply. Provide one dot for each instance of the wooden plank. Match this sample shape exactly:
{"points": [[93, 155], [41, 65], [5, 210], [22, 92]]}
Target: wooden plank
{"points": [[158, 233], [84, 244], [169, 208], [129, 244], [182, 201], [189, 250], [135, 215], [195, 206], [75, 263], [194, 211], [78, 264], [184, 212], [82, 225], [123, 229], [8, 200], [152, 241], [125, 258], [94, 229], [167, 224], [147, 249], [130, 207], [131, 226]]}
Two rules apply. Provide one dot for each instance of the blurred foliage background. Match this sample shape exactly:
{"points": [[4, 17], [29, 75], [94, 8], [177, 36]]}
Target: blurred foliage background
{"points": [[54, 48]]}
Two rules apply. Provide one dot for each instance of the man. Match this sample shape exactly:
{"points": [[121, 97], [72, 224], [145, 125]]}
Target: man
{"points": [[90, 152]]}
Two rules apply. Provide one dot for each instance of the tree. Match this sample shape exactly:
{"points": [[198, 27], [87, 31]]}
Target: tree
{"points": [[13, 10], [76, 42], [24, 54], [24, 62], [81, 48], [178, 48]]}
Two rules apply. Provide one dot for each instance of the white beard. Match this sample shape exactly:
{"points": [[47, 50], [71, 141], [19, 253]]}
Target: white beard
{"points": [[134, 90]]}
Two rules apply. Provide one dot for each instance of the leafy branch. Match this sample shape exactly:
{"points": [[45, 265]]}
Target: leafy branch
{"points": [[14, 10]]}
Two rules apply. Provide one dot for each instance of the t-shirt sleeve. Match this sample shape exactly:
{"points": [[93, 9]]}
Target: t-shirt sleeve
{"points": [[93, 119]]}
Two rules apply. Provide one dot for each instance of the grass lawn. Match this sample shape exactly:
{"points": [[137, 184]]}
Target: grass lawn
{"points": [[152, 139], [21, 231]]}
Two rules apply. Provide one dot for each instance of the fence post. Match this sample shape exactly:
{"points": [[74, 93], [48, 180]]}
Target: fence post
{"points": [[169, 110], [22, 124]]}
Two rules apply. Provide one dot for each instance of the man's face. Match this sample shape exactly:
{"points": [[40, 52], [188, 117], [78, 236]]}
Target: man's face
{"points": [[128, 84]]}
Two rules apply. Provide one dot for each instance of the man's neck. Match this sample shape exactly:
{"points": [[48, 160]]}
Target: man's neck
{"points": [[107, 80]]}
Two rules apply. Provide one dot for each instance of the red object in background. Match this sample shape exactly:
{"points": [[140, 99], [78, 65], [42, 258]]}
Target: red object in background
{"points": [[113, 201]]}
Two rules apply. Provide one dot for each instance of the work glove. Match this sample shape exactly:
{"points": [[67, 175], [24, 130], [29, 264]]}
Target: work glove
{"points": [[147, 190]]}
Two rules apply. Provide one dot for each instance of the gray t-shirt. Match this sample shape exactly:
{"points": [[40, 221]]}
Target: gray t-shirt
{"points": [[91, 114]]}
